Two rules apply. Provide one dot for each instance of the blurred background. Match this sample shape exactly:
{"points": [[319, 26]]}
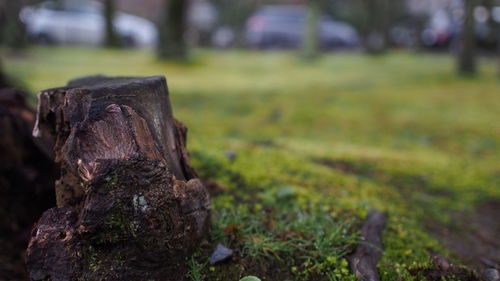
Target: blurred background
{"points": [[173, 27], [175, 30], [391, 104]]}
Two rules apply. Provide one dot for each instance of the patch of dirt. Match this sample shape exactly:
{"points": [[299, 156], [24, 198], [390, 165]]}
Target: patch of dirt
{"points": [[473, 238], [442, 269], [265, 143], [404, 182], [345, 167]]}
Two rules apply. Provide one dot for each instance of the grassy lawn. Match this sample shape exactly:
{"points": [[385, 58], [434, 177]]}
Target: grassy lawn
{"points": [[315, 146]]}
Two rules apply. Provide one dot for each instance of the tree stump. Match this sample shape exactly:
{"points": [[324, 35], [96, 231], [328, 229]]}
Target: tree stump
{"points": [[129, 205]]}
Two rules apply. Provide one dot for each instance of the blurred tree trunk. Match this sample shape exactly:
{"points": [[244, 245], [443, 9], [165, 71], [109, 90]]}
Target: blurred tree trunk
{"points": [[496, 30], [377, 13], [494, 26], [112, 39], [12, 32], [310, 41], [466, 54], [173, 44]]}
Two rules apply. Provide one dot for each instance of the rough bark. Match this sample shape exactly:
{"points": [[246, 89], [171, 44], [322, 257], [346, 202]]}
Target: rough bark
{"points": [[129, 204], [364, 260], [27, 174]]}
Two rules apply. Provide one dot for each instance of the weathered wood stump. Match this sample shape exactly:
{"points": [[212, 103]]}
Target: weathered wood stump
{"points": [[129, 204]]}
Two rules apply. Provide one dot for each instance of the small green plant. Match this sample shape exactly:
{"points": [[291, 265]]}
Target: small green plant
{"points": [[195, 267]]}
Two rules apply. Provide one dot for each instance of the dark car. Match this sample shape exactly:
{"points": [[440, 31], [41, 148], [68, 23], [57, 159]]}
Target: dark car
{"points": [[283, 26]]}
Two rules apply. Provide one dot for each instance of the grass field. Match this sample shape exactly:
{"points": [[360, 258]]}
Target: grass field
{"points": [[316, 146]]}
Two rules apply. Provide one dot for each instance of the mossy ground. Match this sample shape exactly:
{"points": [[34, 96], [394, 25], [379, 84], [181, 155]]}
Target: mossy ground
{"points": [[315, 146]]}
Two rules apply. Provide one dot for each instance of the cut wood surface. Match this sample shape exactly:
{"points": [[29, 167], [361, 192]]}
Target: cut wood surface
{"points": [[129, 204], [364, 260]]}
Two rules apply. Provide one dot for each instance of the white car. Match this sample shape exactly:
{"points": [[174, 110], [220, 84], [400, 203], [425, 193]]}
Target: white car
{"points": [[50, 22]]}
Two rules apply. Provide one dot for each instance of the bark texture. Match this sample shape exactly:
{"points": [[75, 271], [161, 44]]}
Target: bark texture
{"points": [[129, 204], [27, 174], [364, 260]]}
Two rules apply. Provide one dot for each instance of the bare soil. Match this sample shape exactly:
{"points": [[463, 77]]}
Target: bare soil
{"points": [[474, 239]]}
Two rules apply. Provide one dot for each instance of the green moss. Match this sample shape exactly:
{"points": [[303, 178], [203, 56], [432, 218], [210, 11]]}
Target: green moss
{"points": [[111, 180], [114, 179], [116, 228], [93, 260]]}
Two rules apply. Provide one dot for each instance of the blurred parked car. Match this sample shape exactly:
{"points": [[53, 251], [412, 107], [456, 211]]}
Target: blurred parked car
{"points": [[223, 37], [441, 30], [283, 26], [56, 23], [444, 27]]}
